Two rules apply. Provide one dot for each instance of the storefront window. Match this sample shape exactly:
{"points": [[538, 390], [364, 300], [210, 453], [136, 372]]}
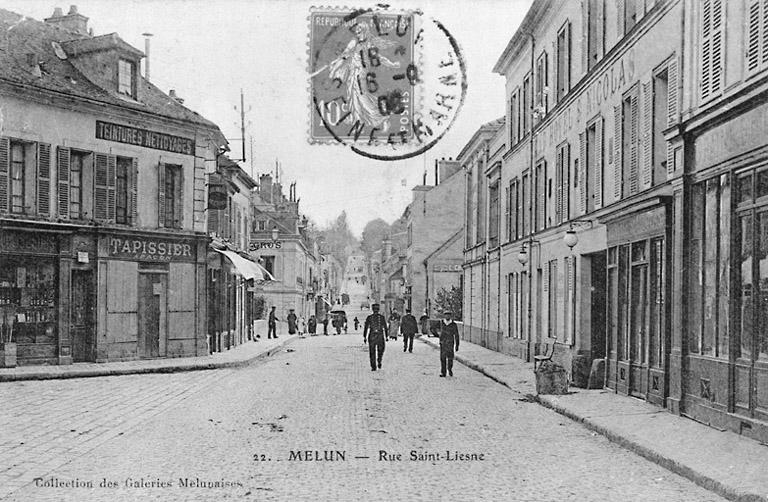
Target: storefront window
{"points": [[695, 274], [762, 183], [28, 300], [745, 286], [745, 188], [762, 277]]}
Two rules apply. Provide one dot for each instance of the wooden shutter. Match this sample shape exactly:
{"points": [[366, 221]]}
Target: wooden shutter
{"points": [[111, 187], [5, 172], [541, 197], [559, 186], [544, 303], [633, 145], [178, 199], [133, 181], [620, 8], [62, 164], [100, 189], [712, 17], [672, 95], [584, 36], [508, 211], [161, 196], [754, 35], [598, 165], [43, 179], [582, 173], [213, 221], [600, 20], [646, 136], [617, 159]]}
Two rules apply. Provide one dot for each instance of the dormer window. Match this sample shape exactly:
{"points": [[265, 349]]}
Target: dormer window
{"points": [[126, 72]]}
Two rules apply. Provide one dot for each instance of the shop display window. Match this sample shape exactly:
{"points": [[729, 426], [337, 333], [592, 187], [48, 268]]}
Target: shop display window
{"points": [[28, 300]]}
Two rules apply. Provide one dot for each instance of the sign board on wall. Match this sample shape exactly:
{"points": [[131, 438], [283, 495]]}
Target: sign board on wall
{"points": [[255, 246], [446, 267], [151, 249], [144, 138]]}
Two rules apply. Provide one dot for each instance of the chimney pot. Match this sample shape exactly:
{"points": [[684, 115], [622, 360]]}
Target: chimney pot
{"points": [[72, 9], [172, 93], [57, 12]]}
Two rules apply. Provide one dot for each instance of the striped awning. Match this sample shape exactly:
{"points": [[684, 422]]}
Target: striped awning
{"points": [[246, 268]]}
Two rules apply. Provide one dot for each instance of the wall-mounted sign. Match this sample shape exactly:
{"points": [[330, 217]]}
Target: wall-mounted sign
{"points": [[255, 246], [28, 242], [144, 137], [82, 257], [217, 196], [148, 249], [444, 267]]}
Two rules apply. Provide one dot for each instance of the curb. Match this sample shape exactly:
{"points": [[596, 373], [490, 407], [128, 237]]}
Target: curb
{"points": [[671, 465], [195, 366]]}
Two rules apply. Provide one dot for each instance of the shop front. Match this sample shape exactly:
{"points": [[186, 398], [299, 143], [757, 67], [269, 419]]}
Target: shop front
{"points": [[151, 292], [33, 318], [637, 308]]}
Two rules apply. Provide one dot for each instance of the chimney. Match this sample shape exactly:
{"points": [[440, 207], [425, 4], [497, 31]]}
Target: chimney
{"points": [[173, 96], [265, 187], [436, 171], [448, 168], [146, 36], [73, 21]]}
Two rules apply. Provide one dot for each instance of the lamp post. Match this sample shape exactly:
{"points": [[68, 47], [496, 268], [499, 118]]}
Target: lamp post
{"points": [[570, 238], [275, 233]]}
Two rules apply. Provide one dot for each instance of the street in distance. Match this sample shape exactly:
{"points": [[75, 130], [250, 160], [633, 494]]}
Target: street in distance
{"points": [[383, 456]]}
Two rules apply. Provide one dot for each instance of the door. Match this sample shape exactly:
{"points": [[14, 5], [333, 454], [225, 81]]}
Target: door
{"points": [[83, 322], [152, 309], [638, 320], [751, 367], [598, 307]]}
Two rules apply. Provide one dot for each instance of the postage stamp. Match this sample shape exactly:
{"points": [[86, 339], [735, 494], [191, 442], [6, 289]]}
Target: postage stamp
{"points": [[386, 83]]}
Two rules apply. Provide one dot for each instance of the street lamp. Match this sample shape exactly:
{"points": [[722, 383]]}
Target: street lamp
{"points": [[522, 256], [275, 233], [570, 238]]}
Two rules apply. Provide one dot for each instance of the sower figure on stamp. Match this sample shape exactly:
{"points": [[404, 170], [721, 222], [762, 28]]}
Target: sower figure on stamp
{"points": [[449, 338], [272, 323], [408, 327], [374, 332]]}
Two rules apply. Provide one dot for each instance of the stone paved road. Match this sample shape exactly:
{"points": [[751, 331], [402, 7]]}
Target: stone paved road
{"points": [[239, 427]]}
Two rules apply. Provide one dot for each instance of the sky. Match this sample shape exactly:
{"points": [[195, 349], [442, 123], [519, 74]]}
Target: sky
{"points": [[209, 50]]}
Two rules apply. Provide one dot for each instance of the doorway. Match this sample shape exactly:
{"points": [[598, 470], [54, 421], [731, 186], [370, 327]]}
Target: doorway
{"points": [[83, 321], [153, 291], [598, 307]]}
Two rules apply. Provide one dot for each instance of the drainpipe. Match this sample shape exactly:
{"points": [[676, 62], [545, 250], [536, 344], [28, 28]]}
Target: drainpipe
{"points": [[530, 198]]}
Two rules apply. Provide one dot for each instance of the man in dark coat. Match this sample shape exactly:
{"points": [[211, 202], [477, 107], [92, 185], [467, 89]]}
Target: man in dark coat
{"points": [[312, 325], [325, 325], [291, 322], [374, 331], [272, 323], [408, 327], [449, 338], [424, 322]]}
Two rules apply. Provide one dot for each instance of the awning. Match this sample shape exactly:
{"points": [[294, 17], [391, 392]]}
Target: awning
{"points": [[247, 269]]}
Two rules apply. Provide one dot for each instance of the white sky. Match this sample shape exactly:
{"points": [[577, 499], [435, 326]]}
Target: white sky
{"points": [[207, 50]]}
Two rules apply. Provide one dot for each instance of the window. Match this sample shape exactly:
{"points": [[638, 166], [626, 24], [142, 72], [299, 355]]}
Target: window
{"points": [[590, 167], [493, 215], [525, 107], [480, 207], [757, 36], [629, 144], [552, 302], [123, 191], [172, 190], [540, 199], [126, 78], [469, 212], [268, 262], [595, 19], [516, 209], [631, 14], [660, 112], [508, 211], [514, 114], [78, 162], [562, 183], [563, 61], [17, 177], [542, 82], [525, 204], [513, 305], [711, 56]]}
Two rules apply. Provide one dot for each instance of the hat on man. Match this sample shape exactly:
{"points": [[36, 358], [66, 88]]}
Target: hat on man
{"points": [[447, 313], [375, 306], [407, 311]]}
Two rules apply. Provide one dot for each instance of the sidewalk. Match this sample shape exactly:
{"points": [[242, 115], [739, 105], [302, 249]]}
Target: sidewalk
{"points": [[730, 465], [240, 355]]}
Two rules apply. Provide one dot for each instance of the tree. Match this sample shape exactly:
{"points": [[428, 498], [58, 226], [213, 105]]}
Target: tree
{"points": [[450, 299], [373, 233], [338, 239]]}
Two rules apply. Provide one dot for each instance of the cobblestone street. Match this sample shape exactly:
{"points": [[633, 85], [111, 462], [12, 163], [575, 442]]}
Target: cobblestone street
{"points": [[166, 437]]}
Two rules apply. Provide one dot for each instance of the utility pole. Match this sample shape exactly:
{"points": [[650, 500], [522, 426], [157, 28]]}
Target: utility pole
{"points": [[242, 121]]}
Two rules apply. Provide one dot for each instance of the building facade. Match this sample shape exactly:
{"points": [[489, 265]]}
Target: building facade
{"points": [[102, 200], [433, 259]]}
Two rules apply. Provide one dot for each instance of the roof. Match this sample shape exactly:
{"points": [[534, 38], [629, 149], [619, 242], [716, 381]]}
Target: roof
{"points": [[20, 36], [489, 127], [444, 245], [523, 33]]}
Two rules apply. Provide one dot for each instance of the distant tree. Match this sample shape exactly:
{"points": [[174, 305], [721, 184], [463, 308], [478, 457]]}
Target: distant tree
{"points": [[337, 238], [373, 233], [449, 299], [259, 306]]}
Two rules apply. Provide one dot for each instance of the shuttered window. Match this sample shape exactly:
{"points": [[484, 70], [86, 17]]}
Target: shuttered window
{"points": [[508, 211], [563, 61], [493, 215], [125, 191], [628, 144], [514, 114], [757, 35], [43, 179], [79, 161], [552, 302], [104, 187], [172, 196], [593, 32], [525, 106], [562, 185], [17, 177], [542, 82], [712, 36]]}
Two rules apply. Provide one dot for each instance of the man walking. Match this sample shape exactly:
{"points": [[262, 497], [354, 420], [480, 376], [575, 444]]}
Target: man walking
{"points": [[272, 323], [374, 332], [449, 337], [408, 328]]}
